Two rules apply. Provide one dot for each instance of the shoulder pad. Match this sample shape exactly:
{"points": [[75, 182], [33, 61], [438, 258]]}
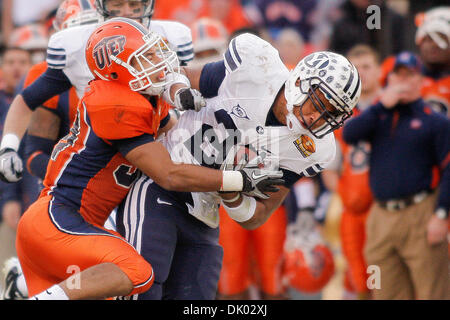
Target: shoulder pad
{"points": [[116, 112], [178, 36], [67, 44], [248, 48]]}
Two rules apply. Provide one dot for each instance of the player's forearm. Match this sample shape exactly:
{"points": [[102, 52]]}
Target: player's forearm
{"points": [[258, 214], [185, 177], [17, 118]]}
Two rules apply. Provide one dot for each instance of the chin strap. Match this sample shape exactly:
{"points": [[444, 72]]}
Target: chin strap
{"points": [[293, 124]]}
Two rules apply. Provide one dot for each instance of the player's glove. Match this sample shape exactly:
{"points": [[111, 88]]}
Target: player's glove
{"points": [[189, 99], [259, 181], [10, 165]]}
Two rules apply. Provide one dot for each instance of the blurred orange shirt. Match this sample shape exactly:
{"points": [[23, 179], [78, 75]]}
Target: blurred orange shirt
{"points": [[187, 11]]}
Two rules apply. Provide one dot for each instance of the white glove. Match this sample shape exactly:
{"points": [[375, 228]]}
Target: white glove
{"points": [[189, 99], [11, 167]]}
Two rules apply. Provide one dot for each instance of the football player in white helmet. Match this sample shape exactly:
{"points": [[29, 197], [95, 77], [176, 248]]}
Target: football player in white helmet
{"points": [[67, 67], [333, 76], [257, 112]]}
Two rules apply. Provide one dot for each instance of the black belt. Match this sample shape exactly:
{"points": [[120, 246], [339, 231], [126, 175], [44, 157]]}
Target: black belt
{"points": [[399, 204]]}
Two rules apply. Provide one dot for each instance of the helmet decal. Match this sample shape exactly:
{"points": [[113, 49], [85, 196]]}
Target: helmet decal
{"points": [[105, 48]]}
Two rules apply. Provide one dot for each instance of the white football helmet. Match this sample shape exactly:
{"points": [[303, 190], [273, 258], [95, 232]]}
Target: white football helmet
{"points": [[436, 24], [334, 76]]}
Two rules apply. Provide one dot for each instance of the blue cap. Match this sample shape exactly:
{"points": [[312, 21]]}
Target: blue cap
{"points": [[409, 60]]}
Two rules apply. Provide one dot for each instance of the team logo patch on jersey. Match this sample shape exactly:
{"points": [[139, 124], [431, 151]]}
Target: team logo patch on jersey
{"points": [[415, 123], [305, 145], [239, 112], [107, 47]]}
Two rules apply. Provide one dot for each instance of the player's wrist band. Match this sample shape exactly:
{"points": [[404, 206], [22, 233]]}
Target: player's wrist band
{"points": [[10, 140], [232, 181], [244, 212], [232, 199], [177, 78]]}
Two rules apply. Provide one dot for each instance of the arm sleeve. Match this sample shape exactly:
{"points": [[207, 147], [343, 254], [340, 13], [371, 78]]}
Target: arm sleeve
{"points": [[37, 154], [361, 127], [185, 53], [164, 121], [51, 83], [211, 78], [126, 145], [290, 178], [442, 149]]}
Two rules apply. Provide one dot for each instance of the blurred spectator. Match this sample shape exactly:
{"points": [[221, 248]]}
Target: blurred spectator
{"points": [[349, 177], [210, 39], [421, 6], [323, 19], [230, 13], [408, 222], [276, 15], [291, 47], [15, 63], [352, 28], [18, 13], [33, 38], [433, 41]]}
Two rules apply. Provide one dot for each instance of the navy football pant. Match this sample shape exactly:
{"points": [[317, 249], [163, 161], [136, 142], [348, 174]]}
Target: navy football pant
{"points": [[183, 251]]}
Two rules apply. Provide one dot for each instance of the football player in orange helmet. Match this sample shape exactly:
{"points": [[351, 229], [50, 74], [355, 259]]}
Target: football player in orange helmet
{"points": [[73, 13], [92, 168], [210, 41], [33, 38], [308, 261]]}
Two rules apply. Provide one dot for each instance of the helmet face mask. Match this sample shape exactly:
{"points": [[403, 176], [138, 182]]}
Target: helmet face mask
{"points": [[142, 9], [338, 82], [168, 61], [333, 119]]}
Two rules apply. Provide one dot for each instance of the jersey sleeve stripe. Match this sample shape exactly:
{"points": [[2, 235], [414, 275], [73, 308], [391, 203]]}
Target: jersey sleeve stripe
{"points": [[56, 49], [59, 57], [183, 53], [56, 66], [236, 53], [185, 46], [318, 168], [187, 58], [229, 62], [309, 172]]}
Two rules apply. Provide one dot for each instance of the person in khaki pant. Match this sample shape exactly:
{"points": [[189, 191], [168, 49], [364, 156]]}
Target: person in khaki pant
{"points": [[407, 225], [411, 268]]}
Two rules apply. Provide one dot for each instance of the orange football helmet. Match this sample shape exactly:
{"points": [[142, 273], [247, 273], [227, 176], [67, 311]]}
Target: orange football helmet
{"points": [[209, 34], [123, 50], [73, 13], [308, 261]]}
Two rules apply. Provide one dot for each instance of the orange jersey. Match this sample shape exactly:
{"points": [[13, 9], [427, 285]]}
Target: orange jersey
{"points": [[353, 186], [264, 244], [437, 94], [356, 196], [188, 11], [86, 170]]}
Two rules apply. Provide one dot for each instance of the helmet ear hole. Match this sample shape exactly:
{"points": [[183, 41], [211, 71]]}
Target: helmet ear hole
{"points": [[114, 76]]}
